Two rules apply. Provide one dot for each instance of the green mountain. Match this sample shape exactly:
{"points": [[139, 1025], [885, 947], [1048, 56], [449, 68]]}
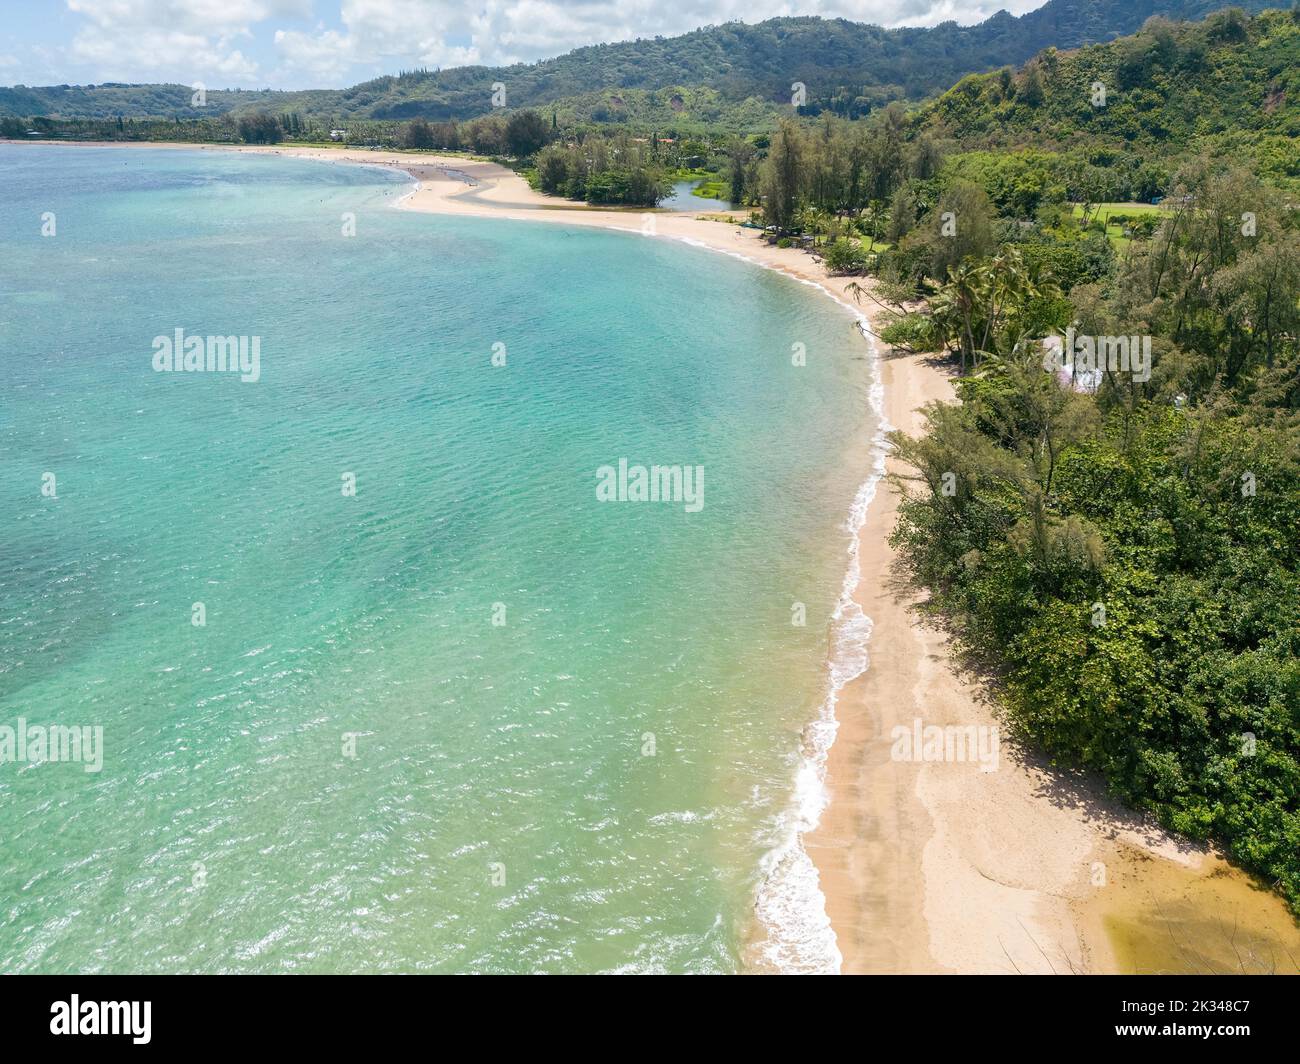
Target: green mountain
{"points": [[847, 67], [1230, 84]]}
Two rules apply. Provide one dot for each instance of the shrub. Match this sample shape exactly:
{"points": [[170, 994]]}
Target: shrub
{"points": [[845, 256]]}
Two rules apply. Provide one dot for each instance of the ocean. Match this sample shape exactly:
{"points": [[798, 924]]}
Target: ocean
{"points": [[384, 681]]}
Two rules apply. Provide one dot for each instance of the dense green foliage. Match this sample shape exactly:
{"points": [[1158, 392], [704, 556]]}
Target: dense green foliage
{"points": [[1120, 552], [913, 170], [617, 170], [691, 110], [259, 129], [847, 67], [1229, 82], [224, 129], [113, 99], [1126, 562]]}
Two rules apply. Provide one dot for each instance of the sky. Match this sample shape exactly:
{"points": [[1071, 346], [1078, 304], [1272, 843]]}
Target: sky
{"points": [[297, 44]]}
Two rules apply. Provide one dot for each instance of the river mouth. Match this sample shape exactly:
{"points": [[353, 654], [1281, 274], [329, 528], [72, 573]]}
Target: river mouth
{"points": [[1166, 917], [683, 198]]}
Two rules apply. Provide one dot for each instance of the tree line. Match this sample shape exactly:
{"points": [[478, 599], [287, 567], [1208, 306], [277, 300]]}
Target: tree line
{"points": [[1124, 557]]}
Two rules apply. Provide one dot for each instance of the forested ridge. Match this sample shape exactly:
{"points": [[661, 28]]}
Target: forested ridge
{"points": [[1230, 83], [847, 67]]}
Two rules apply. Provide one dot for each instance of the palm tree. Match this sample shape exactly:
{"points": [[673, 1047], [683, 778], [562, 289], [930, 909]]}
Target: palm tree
{"points": [[956, 304], [812, 220], [982, 304], [872, 219]]}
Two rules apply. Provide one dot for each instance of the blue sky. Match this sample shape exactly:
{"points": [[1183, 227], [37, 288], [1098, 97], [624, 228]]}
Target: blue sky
{"points": [[330, 43]]}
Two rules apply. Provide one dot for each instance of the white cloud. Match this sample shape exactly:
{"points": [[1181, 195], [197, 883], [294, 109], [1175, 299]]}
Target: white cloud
{"points": [[193, 16], [173, 39], [165, 54], [326, 55]]}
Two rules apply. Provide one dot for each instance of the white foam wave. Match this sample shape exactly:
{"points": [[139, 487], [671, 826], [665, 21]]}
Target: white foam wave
{"points": [[790, 902]]}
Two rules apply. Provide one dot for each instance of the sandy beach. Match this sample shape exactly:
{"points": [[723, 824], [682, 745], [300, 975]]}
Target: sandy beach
{"points": [[931, 867]]}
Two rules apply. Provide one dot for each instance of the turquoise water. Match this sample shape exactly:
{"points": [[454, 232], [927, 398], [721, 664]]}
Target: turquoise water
{"points": [[350, 766]]}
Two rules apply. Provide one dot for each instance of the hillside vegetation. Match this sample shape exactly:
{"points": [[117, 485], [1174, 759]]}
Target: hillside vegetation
{"points": [[1124, 557], [847, 67], [1230, 83]]}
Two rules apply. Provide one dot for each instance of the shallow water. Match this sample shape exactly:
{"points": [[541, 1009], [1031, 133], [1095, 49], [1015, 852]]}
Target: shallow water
{"points": [[349, 765]]}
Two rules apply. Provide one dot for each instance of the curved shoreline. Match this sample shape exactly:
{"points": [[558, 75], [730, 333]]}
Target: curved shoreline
{"points": [[939, 867], [790, 905], [924, 867]]}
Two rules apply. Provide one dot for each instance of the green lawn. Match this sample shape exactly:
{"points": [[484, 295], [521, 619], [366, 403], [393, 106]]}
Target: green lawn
{"points": [[1103, 212]]}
